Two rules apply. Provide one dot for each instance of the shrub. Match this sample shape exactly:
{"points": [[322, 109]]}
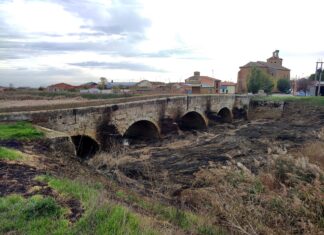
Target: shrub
{"points": [[283, 85]]}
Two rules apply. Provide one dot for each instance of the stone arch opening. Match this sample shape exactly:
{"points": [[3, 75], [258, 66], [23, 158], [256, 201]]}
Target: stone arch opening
{"points": [[108, 137], [240, 113], [85, 146], [192, 121], [142, 130], [225, 115]]}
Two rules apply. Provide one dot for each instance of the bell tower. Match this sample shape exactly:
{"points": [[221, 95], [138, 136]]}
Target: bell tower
{"points": [[275, 59]]}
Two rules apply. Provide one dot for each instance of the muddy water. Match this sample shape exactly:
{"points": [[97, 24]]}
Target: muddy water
{"points": [[170, 165]]}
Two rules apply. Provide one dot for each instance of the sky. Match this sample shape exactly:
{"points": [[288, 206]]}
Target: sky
{"points": [[51, 41]]}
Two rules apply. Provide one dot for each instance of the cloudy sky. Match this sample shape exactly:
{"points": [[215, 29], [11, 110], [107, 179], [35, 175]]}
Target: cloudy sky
{"points": [[76, 41]]}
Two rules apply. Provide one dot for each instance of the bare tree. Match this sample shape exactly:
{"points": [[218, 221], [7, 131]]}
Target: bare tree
{"points": [[302, 85]]}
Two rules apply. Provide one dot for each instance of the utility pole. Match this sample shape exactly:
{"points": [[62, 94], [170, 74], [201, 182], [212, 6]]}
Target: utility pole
{"points": [[319, 67]]}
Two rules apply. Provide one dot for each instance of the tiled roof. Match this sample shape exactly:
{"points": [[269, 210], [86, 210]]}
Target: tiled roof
{"points": [[203, 77], [264, 65], [62, 86]]}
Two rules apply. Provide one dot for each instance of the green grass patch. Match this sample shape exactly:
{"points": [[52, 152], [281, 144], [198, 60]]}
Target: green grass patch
{"points": [[110, 220], [313, 100], [99, 216], [35, 215], [10, 154], [19, 131], [81, 191]]}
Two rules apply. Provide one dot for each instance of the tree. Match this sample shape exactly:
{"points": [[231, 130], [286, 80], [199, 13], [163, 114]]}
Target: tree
{"points": [[102, 83], [302, 85], [259, 80], [283, 85], [319, 75]]}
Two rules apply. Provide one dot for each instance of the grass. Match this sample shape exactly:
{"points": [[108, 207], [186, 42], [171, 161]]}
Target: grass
{"points": [[19, 131], [100, 217], [10, 154], [313, 100], [285, 198], [35, 215], [185, 220]]}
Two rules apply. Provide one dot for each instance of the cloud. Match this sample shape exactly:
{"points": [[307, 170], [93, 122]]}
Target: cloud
{"points": [[23, 76], [117, 65], [118, 18], [110, 29]]}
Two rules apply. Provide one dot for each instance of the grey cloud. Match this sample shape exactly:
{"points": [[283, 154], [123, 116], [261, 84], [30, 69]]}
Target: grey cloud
{"points": [[122, 17], [118, 65], [31, 77], [115, 47]]}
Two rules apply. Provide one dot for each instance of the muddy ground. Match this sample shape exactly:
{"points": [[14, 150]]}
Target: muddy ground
{"points": [[170, 165]]}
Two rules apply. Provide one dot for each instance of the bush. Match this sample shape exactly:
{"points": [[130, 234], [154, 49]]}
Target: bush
{"points": [[283, 85]]}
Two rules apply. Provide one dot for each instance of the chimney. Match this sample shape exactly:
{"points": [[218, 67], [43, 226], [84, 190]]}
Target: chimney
{"points": [[196, 73]]}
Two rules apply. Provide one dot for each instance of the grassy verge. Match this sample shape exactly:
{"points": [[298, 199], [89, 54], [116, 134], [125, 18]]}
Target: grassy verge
{"points": [[19, 131], [186, 220], [35, 215], [10, 154], [100, 217], [314, 100]]}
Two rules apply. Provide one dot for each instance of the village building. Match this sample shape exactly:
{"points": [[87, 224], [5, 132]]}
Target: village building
{"points": [[203, 84], [60, 87], [148, 87], [273, 67], [227, 88]]}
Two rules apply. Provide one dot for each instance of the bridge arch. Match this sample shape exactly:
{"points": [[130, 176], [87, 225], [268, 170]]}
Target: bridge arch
{"points": [[193, 120], [225, 115], [143, 129], [85, 146]]}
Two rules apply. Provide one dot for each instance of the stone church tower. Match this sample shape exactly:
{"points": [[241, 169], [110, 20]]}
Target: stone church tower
{"points": [[273, 67]]}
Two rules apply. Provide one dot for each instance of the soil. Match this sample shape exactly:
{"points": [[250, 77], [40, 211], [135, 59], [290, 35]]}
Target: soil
{"points": [[20, 179]]}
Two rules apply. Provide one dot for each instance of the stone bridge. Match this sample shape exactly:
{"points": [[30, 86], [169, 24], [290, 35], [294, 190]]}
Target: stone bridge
{"points": [[145, 119]]}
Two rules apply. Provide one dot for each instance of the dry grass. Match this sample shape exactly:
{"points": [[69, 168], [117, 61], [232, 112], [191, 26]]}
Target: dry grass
{"points": [[287, 198], [314, 152]]}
